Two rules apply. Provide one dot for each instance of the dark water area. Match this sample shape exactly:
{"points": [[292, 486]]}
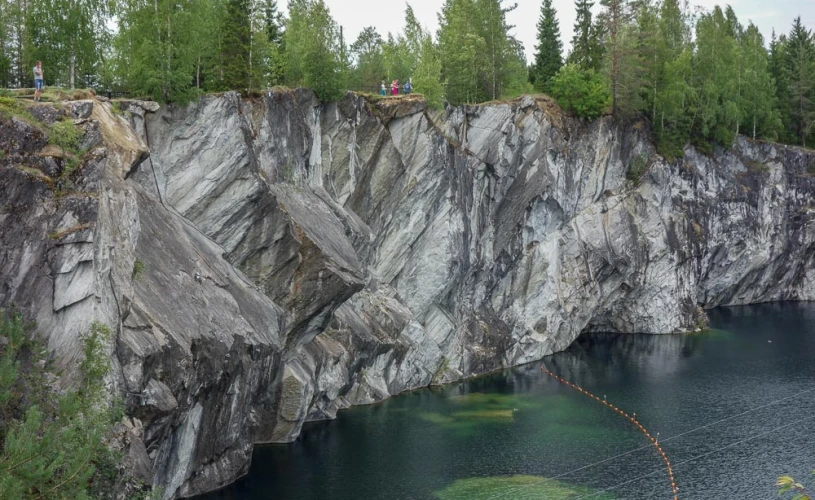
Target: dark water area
{"points": [[734, 407]]}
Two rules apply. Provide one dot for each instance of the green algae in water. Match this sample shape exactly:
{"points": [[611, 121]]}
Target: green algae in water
{"points": [[488, 414], [496, 401], [516, 488], [461, 425]]}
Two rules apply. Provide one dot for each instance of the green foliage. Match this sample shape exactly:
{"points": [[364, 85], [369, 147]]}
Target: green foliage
{"points": [[315, 56], [583, 93], [548, 55], [717, 69], [759, 102], [787, 484], [427, 77], [637, 167], [586, 43], [138, 269], [65, 135], [799, 68], [9, 107], [50, 444], [699, 76], [370, 63], [480, 59]]}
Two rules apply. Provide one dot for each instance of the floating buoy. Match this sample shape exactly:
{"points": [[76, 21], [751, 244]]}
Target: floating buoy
{"points": [[633, 419]]}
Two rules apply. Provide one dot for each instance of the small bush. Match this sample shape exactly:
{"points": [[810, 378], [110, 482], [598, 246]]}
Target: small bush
{"points": [[637, 167], [755, 166], [138, 269], [9, 104], [65, 135], [583, 93]]}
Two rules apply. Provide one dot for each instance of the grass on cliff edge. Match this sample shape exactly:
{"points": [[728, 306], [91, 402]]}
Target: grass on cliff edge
{"points": [[515, 487]]}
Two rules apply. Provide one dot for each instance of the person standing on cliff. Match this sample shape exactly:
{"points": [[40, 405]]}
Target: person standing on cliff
{"points": [[38, 81], [383, 89]]}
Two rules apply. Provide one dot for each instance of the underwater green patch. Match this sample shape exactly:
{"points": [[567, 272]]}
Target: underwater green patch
{"points": [[495, 401], [485, 414], [515, 487], [436, 418]]}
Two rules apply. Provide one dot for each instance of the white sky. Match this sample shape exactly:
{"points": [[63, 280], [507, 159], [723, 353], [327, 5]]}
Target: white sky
{"points": [[388, 15]]}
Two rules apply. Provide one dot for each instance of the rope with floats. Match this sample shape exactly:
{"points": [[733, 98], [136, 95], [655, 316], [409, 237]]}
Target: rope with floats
{"points": [[630, 418], [697, 457], [677, 436]]}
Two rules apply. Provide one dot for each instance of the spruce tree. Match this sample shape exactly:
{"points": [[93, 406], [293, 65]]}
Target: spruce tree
{"points": [[273, 21], [800, 69], [583, 43], [615, 20], [778, 71], [548, 55], [237, 39]]}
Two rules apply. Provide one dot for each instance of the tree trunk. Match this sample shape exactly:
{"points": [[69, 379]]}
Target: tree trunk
{"points": [[251, 40], [73, 69]]}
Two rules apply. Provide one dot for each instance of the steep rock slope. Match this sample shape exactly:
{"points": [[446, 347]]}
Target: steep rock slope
{"points": [[298, 258]]}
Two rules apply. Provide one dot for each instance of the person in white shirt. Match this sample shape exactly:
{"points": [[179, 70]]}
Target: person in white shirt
{"points": [[38, 80]]}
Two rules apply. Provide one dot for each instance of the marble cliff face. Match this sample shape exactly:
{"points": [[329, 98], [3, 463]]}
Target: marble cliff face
{"points": [[267, 262]]}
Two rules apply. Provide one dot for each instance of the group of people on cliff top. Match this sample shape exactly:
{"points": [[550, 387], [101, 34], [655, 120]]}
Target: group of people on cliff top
{"points": [[408, 87]]}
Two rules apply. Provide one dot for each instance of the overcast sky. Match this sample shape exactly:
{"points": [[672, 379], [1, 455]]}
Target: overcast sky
{"points": [[388, 15]]}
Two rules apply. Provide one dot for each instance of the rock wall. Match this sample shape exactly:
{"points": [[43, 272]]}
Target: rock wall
{"points": [[267, 262]]}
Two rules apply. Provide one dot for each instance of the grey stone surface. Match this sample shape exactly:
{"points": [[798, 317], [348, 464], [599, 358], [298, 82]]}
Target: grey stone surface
{"points": [[298, 258]]}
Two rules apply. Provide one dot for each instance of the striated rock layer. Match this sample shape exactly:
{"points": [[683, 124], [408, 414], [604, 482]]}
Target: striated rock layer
{"points": [[268, 262]]}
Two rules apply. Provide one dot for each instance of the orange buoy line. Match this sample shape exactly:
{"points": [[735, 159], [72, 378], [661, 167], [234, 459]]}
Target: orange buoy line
{"points": [[630, 418]]}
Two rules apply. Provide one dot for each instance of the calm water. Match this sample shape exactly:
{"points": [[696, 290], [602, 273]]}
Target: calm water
{"points": [[504, 436]]}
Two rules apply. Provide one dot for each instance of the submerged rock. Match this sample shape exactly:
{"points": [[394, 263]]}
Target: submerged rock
{"points": [[267, 262]]}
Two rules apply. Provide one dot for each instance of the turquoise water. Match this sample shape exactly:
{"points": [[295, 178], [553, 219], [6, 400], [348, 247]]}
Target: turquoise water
{"points": [[520, 435]]}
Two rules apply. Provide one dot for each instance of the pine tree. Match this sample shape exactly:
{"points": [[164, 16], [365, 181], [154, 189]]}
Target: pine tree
{"points": [[548, 55]]}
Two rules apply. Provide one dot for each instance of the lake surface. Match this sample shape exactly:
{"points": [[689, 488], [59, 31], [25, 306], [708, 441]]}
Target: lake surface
{"points": [[520, 435]]}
